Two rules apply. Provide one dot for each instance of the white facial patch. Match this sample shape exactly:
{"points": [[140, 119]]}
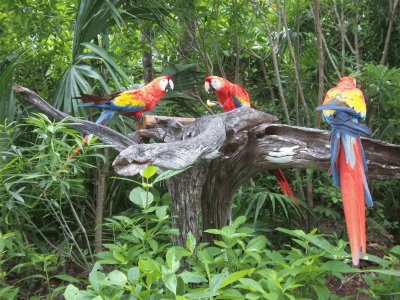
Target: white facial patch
{"points": [[163, 84], [216, 84]]}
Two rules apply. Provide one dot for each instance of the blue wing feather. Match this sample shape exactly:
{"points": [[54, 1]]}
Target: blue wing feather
{"points": [[345, 130], [236, 101]]}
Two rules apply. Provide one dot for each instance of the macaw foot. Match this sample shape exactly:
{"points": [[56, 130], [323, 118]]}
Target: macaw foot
{"points": [[213, 103], [140, 123]]}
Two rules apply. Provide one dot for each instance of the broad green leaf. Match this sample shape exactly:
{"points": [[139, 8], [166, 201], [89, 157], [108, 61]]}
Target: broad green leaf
{"points": [[231, 278], [190, 242], [161, 212], [173, 262], [67, 278], [321, 291], [133, 275], [252, 285], [201, 294], [380, 271], [71, 292], [168, 174], [239, 221], [337, 266], [169, 279], [216, 281], [141, 197], [116, 277], [257, 244], [148, 172], [192, 277]]}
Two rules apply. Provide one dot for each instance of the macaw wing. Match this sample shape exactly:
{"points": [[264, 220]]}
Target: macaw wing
{"points": [[131, 101], [352, 98], [239, 96]]}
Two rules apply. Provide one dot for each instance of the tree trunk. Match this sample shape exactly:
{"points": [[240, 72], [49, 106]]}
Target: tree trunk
{"points": [[392, 13], [274, 53], [320, 50], [295, 65], [102, 172], [147, 57]]}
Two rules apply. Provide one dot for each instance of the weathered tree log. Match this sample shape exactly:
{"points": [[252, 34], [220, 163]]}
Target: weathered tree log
{"points": [[224, 151]]}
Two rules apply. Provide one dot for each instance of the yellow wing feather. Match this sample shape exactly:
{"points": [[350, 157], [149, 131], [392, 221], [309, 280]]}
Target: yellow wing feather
{"points": [[353, 98]]}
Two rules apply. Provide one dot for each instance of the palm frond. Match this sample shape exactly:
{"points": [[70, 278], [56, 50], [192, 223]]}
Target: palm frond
{"points": [[7, 98]]}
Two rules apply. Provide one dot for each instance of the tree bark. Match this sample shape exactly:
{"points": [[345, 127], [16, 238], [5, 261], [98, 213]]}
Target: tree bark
{"points": [[295, 64], [274, 53], [102, 172], [223, 151], [147, 57], [320, 50], [392, 13]]}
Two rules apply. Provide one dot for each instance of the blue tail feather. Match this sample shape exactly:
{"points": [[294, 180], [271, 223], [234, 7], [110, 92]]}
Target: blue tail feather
{"points": [[105, 117]]}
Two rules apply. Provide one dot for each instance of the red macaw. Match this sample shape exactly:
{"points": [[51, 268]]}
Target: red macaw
{"points": [[343, 106], [132, 103], [232, 96]]}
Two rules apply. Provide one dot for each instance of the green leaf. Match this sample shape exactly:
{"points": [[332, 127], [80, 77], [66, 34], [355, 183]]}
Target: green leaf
{"points": [[235, 277], [221, 244], [321, 291], [119, 256], [133, 275], [116, 277], [192, 277], [190, 242], [257, 244], [337, 266], [173, 262], [148, 172], [216, 281], [201, 294], [252, 285], [169, 279], [66, 277], [161, 212], [239, 221], [71, 292], [141, 197], [168, 174], [380, 271], [395, 250]]}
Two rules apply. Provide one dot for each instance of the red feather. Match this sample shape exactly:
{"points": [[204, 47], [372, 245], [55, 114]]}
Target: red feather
{"points": [[285, 187], [351, 186]]}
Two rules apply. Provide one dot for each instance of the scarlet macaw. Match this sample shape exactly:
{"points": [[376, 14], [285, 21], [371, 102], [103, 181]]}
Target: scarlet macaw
{"points": [[232, 96], [132, 103], [343, 106]]}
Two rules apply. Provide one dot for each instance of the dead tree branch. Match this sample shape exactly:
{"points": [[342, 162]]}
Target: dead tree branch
{"points": [[224, 151]]}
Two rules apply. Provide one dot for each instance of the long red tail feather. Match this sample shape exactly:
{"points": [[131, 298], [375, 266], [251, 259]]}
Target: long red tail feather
{"points": [[351, 186], [285, 187]]}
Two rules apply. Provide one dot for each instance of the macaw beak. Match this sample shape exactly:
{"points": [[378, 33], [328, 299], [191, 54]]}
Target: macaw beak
{"points": [[170, 86], [208, 87]]}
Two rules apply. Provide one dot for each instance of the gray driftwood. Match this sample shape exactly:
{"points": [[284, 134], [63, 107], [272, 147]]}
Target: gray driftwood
{"points": [[224, 151]]}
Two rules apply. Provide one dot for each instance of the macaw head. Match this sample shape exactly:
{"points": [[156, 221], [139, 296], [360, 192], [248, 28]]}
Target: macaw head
{"points": [[348, 80], [213, 83], [165, 83]]}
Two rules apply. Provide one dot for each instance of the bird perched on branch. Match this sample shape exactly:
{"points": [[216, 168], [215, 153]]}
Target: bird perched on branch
{"points": [[131, 103], [230, 97], [343, 106]]}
